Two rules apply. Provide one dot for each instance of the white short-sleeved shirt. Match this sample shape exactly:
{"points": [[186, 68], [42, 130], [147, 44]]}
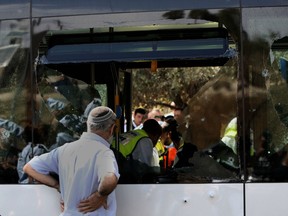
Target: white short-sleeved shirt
{"points": [[80, 166]]}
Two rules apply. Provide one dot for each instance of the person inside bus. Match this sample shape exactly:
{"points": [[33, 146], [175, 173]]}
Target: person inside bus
{"points": [[89, 162], [185, 151], [163, 146], [138, 117], [153, 114], [179, 116], [156, 114], [136, 160]]}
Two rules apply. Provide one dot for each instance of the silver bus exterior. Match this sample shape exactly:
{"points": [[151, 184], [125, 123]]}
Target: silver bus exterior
{"points": [[250, 85]]}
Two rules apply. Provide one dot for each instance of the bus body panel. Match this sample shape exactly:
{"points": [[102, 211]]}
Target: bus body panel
{"points": [[180, 199], [29, 200], [159, 199], [266, 199], [144, 199]]}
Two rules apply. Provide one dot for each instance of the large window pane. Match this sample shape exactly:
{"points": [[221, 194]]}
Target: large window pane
{"points": [[191, 76], [264, 75], [16, 94]]}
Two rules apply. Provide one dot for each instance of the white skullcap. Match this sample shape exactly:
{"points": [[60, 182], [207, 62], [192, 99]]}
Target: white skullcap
{"points": [[101, 114]]}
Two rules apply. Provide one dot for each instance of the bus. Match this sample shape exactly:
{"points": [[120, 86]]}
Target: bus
{"points": [[223, 63]]}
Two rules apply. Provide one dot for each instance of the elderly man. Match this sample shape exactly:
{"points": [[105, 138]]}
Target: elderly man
{"points": [[87, 169]]}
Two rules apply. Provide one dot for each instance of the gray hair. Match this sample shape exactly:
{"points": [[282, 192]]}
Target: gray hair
{"points": [[100, 118]]}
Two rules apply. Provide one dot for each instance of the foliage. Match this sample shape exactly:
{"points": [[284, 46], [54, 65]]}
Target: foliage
{"points": [[168, 84]]}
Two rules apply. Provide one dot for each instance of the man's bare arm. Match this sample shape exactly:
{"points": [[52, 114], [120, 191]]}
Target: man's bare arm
{"points": [[42, 178], [99, 198], [107, 184]]}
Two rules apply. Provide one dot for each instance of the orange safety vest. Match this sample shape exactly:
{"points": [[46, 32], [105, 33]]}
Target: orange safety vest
{"points": [[169, 157]]}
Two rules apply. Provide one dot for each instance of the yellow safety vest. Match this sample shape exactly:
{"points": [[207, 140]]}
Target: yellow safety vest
{"points": [[129, 140], [230, 134], [161, 149]]}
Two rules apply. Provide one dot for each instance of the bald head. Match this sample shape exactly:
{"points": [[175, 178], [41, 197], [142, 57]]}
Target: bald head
{"points": [[155, 114]]}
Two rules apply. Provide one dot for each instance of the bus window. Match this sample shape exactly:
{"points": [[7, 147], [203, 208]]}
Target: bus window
{"points": [[264, 75], [16, 99], [194, 66], [194, 90], [202, 76]]}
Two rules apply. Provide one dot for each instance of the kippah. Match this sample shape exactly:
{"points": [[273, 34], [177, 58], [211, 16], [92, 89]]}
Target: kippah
{"points": [[100, 114]]}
